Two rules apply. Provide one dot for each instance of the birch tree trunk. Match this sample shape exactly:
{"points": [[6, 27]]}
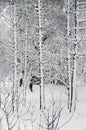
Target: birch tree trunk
{"points": [[76, 47], [25, 64], [41, 62], [15, 87], [68, 53], [74, 69]]}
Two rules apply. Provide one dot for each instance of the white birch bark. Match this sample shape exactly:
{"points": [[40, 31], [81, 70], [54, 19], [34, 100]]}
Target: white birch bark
{"points": [[25, 65], [75, 59], [15, 87], [68, 53], [74, 70], [41, 63]]}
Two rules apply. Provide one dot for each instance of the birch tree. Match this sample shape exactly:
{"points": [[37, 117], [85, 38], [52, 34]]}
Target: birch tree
{"points": [[40, 55], [68, 53], [12, 23], [72, 53], [15, 86], [74, 69], [25, 51]]}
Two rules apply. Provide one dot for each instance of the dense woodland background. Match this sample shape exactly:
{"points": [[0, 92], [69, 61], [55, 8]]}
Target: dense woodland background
{"points": [[42, 42]]}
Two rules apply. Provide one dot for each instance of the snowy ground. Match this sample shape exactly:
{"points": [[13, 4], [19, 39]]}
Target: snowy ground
{"points": [[78, 121]]}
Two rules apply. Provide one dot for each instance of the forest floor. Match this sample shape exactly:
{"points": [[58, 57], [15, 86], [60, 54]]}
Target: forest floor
{"points": [[77, 122]]}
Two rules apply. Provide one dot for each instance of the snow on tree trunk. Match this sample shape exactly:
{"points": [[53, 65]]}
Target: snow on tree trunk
{"points": [[15, 86], [74, 68], [41, 62], [68, 53], [25, 64]]}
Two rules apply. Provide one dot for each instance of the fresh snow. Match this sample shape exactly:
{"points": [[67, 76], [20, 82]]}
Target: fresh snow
{"points": [[77, 122]]}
